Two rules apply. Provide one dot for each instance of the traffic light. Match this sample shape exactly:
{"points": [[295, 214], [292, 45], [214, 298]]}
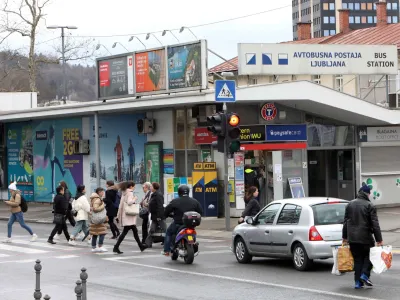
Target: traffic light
{"points": [[217, 125], [232, 132]]}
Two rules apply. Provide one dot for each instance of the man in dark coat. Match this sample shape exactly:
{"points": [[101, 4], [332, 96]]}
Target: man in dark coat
{"points": [[156, 210], [61, 209], [112, 207], [360, 223]]}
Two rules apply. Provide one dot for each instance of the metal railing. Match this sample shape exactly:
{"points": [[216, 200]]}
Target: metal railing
{"points": [[80, 288]]}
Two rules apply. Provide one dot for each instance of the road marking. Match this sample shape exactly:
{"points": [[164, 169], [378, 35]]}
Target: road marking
{"points": [[19, 261], [396, 251], [213, 247], [42, 245], [118, 258], [66, 256], [21, 250], [390, 213], [4, 255], [249, 281]]}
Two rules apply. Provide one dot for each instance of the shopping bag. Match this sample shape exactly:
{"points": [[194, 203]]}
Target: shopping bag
{"points": [[381, 258], [335, 270], [345, 259]]}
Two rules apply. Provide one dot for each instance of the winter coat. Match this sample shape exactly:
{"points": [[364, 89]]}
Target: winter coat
{"points": [[156, 206], [361, 221], [145, 201], [181, 205], [81, 205], [252, 208], [60, 205], [97, 205], [109, 200], [15, 202], [127, 197]]}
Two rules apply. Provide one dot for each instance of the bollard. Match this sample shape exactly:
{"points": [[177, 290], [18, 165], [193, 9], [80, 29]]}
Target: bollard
{"points": [[47, 297], [78, 290], [37, 294], [84, 276]]}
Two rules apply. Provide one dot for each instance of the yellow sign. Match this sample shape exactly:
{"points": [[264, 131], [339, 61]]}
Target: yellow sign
{"points": [[210, 166], [40, 180], [170, 186], [198, 166], [190, 180]]}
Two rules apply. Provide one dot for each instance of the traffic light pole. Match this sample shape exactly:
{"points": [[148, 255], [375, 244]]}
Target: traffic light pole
{"points": [[226, 183]]}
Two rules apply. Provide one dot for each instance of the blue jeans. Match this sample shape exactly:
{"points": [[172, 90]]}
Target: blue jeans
{"points": [[20, 218], [94, 240], [171, 230], [81, 225]]}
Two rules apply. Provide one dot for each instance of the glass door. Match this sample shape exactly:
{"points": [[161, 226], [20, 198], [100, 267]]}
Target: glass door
{"points": [[346, 174], [317, 170]]}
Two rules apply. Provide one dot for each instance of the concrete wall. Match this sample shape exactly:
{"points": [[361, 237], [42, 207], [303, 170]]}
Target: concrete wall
{"points": [[17, 101]]}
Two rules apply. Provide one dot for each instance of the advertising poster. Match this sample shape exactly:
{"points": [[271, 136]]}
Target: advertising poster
{"points": [[168, 160], [121, 151], [154, 163], [54, 158], [20, 158], [184, 66], [150, 71]]}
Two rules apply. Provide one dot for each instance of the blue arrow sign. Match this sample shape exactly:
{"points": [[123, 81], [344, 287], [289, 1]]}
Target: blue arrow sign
{"points": [[225, 91]]}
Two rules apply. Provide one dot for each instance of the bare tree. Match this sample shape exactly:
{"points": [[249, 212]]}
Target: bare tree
{"points": [[24, 17]]}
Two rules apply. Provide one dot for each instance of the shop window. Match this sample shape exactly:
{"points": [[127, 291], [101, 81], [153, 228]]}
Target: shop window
{"points": [[191, 125], [291, 167], [321, 135], [180, 129], [180, 170], [192, 157], [339, 83]]}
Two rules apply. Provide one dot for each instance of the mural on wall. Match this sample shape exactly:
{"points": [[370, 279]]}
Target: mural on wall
{"points": [[121, 151], [54, 159], [20, 158], [375, 192]]}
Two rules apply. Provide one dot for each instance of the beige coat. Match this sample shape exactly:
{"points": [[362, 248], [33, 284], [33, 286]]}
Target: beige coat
{"points": [[126, 197], [97, 205], [14, 202]]}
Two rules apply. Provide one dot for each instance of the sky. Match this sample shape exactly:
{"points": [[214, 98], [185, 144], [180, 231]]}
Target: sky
{"points": [[98, 18]]}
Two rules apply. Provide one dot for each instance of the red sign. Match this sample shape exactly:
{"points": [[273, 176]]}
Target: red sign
{"points": [[269, 112], [104, 74], [203, 136]]}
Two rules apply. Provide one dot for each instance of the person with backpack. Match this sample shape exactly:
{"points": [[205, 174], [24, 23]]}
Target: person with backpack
{"points": [[112, 201], [17, 206]]}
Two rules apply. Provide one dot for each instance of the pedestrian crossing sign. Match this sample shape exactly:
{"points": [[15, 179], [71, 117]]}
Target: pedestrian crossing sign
{"points": [[225, 91]]}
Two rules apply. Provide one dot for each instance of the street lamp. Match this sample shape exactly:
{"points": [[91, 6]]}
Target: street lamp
{"points": [[135, 37], [115, 44], [165, 32], [183, 28], [148, 36], [101, 45], [63, 54]]}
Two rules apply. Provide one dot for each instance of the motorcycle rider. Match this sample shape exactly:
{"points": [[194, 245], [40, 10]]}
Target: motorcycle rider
{"points": [[178, 207]]}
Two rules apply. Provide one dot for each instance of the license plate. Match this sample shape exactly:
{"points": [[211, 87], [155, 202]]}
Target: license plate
{"points": [[190, 238]]}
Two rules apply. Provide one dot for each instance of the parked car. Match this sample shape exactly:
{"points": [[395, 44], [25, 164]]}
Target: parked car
{"points": [[302, 229]]}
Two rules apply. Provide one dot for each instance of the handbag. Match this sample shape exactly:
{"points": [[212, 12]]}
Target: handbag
{"points": [[144, 212], [345, 259], [131, 210], [99, 217], [59, 219]]}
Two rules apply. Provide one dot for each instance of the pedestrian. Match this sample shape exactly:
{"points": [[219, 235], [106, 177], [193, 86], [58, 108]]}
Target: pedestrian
{"points": [[70, 217], [60, 215], [144, 214], [111, 206], [82, 207], [16, 213], [252, 206], [127, 221], [156, 210], [360, 223], [98, 230]]}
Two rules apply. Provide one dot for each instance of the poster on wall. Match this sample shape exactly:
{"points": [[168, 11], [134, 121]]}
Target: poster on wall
{"points": [[154, 162], [150, 71], [121, 151], [168, 161], [20, 158], [54, 158]]}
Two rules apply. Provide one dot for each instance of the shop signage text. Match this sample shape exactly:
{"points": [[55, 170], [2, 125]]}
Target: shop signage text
{"points": [[286, 132], [202, 136], [379, 134], [254, 133]]}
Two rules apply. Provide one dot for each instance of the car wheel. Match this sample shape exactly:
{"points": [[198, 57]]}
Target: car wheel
{"points": [[300, 258], [242, 254]]}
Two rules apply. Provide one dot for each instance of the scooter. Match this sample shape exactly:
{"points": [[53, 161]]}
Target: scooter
{"points": [[185, 245]]}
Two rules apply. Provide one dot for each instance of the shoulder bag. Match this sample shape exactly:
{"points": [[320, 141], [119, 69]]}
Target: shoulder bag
{"points": [[59, 219], [99, 217], [131, 210]]}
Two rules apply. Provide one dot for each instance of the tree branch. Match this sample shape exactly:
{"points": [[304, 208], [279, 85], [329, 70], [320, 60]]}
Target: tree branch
{"points": [[19, 14], [43, 5]]}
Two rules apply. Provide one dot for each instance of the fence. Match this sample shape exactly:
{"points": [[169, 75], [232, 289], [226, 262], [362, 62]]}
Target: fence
{"points": [[80, 289]]}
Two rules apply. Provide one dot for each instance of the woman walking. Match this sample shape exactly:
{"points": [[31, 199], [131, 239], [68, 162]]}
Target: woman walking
{"points": [[98, 230], [70, 217], [60, 214], [82, 207], [111, 207], [127, 221], [252, 206]]}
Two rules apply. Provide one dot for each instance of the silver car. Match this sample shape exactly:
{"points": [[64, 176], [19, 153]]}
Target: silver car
{"points": [[301, 229]]}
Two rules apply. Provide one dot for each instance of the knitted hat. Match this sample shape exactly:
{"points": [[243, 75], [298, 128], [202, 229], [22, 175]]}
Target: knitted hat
{"points": [[366, 189], [13, 186]]}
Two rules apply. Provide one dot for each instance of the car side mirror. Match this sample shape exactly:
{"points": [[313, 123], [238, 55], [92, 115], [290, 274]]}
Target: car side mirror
{"points": [[249, 220]]}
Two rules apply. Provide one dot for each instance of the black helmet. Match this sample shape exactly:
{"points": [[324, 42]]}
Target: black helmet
{"points": [[183, 190]]}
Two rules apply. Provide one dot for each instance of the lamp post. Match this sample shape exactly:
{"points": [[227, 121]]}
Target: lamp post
{"points": [[165, 32], [148, 36], [100, 45], [135, 37], [63, 54], [115, 44], [184, 27]]}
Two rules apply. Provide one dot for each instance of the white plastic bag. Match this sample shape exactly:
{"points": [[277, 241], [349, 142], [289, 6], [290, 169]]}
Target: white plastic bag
{"points": [[381, 258], [335, 270]]}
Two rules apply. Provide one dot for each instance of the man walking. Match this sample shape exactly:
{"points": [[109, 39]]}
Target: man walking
{"points": [[360, 223], [156, 210]]}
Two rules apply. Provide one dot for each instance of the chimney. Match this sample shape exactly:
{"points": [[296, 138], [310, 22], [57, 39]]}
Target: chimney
{"points": [[381, 13], [344, 25], [303, 31]]}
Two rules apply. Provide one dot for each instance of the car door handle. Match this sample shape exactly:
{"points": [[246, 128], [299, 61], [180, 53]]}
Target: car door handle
{"points": [[290, 231]]}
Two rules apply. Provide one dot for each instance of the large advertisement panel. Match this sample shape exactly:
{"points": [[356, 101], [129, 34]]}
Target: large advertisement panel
{"points": [[316, 59], [54, 158], [150, 71], [115, 76]]}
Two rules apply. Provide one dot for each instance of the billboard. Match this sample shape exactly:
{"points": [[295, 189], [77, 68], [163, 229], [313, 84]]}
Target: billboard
{"points": [[316, 59], [115, 76], [150, 71]]}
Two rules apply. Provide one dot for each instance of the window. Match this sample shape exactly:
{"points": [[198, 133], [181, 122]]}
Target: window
{"points": [[370, 19], [351, 6], [369, 6], [329, 214], [363, 6], [326, 20], [339, 83], [267, 216], [363, 19], [316, 79], [357, 6], [326, 6], [351, 19], [253, 81], [326, 32], [395, 6], [374, 6], [357, 19], [395, 19], [290, 214], [389, 19], [332, 32], [331, 6], [332, 20], [374, 19], [345, 6], [389, 6]]}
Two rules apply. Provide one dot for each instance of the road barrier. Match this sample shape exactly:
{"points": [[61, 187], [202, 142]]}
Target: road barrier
{"points": [[80, 289]]}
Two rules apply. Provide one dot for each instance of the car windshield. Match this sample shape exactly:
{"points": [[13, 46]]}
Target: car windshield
{"points": [[329, 213]]}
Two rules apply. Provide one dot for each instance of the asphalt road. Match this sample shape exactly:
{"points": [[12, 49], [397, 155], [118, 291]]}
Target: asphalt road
{"points": [[215, 273]]}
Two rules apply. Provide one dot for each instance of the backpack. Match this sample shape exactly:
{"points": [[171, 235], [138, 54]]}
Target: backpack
{"points": [[23, 205], [117, 200]]}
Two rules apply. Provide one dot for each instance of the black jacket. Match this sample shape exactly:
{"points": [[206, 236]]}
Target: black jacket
{"points": [[156, 206], [361, 221], [109, 201], [60, 205], [250, 179], [252, 208], [180, 205]]}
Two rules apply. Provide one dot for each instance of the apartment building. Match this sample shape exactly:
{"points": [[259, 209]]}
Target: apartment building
{"points": [[324, 14]]}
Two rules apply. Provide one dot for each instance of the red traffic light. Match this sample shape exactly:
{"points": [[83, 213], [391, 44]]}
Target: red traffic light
{"points": [[234, 120]]}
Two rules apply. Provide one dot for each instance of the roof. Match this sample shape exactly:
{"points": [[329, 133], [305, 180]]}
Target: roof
{"points": [[382, 35]]}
